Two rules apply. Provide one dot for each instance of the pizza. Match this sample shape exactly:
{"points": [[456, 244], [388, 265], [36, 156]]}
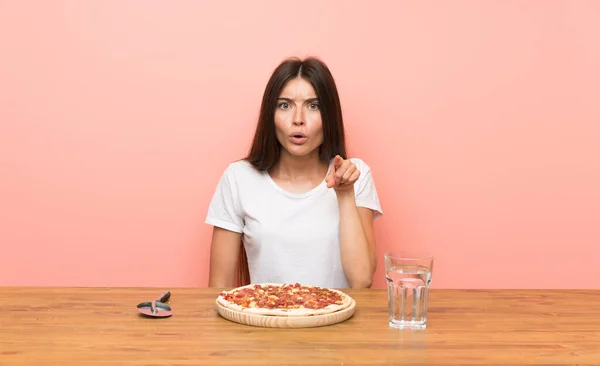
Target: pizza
{"points": [[284, 300]]}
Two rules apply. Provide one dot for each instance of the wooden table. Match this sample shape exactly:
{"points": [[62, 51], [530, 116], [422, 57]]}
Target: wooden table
{"points": [[101, 326]]}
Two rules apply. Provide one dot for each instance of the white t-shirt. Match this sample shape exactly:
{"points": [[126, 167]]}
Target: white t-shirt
{"points": [[288, 237]]}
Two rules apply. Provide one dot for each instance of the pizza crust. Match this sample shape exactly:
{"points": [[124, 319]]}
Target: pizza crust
{"points": [[332, 308]]}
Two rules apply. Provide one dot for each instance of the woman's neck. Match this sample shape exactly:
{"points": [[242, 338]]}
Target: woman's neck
{"points": [[294, 168]]}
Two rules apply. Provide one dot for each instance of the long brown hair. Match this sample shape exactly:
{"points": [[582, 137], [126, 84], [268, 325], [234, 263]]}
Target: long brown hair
{"points": [[265, 148]]}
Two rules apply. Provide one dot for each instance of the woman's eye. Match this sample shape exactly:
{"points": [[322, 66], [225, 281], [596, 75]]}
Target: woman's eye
{"points": [[314, 106], [284, 105]]}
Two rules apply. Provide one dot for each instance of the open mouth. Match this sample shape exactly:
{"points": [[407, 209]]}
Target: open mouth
{"points": [[298, 138]]}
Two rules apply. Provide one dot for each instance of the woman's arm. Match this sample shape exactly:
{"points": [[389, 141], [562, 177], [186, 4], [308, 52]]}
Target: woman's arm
{"points": [[224, 253], [357, 241], [357, 237]]}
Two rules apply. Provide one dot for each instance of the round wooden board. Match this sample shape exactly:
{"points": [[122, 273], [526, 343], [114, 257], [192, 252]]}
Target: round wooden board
{"points": [[286, 321]]}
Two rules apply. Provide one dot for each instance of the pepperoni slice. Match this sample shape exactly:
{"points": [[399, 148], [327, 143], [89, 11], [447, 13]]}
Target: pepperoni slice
{"points": [[288, 296]]}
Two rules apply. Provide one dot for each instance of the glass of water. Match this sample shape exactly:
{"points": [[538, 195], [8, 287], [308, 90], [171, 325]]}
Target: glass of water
{"points": [[408, 276]]}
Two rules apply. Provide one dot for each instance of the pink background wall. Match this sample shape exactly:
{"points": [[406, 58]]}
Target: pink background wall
{"points": [[480, 121]]}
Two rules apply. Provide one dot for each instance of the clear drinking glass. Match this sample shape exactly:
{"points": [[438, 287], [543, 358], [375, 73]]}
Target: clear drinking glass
{"points": [[408, 276]]}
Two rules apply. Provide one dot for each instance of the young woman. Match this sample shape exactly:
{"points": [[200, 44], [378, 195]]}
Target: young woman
{"points": [[296, 209]]}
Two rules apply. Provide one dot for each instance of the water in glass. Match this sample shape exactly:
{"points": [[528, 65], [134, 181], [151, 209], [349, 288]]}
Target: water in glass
{"points": [[408, 294]]}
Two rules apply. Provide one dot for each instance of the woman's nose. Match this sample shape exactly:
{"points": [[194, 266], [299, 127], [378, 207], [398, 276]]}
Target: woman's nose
{"points": [[298, 117]]}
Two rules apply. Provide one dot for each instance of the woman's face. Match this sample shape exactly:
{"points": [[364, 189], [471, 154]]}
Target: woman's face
{"points": [[298, 123]]}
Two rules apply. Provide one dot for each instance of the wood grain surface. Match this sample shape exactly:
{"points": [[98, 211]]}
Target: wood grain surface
{"points": [[101, 326]]}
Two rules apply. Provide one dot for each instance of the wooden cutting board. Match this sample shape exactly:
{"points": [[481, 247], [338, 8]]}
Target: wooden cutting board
{"points": [[286, 321]]}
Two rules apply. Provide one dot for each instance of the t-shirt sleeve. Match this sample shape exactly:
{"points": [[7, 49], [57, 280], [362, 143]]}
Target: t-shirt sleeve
{"points": [[366, 193], [224, 208]]}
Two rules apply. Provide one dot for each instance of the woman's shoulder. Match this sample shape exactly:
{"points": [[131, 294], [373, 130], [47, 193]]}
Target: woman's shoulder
{"points": [[366, 175], [360, 164], [241, 169]]}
